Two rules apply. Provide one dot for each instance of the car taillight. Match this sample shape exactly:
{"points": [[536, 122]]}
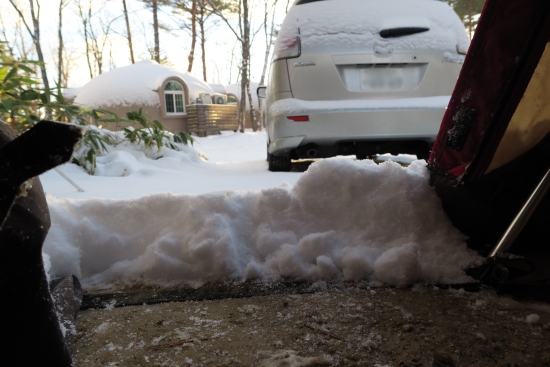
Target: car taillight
{"points": [[298, 118], [288, 48]]}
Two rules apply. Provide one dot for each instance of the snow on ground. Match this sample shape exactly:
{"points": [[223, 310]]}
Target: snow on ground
{"points": [[235, 162], [175, 220]]}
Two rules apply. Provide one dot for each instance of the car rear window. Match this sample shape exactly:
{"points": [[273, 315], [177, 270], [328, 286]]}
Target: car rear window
{"points": [[363, 24]]}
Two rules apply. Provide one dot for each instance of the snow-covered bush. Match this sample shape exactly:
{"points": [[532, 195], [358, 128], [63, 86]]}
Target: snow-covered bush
{"points": [[149, 137]]}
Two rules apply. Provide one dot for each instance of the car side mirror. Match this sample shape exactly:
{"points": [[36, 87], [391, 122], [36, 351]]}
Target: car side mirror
{"points": [[261, 91]]}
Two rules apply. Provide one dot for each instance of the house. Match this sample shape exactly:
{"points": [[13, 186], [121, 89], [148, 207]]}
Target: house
{"points": [[164, 93]]}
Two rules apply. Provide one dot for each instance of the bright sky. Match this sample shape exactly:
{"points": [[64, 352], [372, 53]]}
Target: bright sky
{"points": [[222, 50]]}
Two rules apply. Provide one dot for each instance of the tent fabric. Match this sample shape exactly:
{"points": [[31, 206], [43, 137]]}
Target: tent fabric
{"points": [[508, 44], [531, 120], [493, 146]]}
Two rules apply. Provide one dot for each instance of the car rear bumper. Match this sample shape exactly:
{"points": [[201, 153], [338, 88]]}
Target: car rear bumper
{"points": [[335, 122]]}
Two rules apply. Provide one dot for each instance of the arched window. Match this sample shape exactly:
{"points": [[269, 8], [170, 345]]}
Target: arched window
{"points": [[173, 96]]}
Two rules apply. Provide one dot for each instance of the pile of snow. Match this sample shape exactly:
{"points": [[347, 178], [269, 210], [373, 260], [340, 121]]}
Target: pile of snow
{"points": [[343, 219], [135, 85], [123, 158], [357, 23]]}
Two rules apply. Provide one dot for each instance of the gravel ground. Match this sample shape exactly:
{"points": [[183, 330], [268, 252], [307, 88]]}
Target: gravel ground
{"points": [[336, 325]]}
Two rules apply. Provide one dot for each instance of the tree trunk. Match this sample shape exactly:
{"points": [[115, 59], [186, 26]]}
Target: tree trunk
{"points": [[253, 117], [268, 44], [35, 35], [128, 33], [97, 52], [36, 39], [203, 43], [245, 45], [156, 30], [191, 57], [60, 49], [86, 40]]}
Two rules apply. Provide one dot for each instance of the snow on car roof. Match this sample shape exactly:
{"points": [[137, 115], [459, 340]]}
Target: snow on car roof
{"points": [[344, 23], [134, 85]]}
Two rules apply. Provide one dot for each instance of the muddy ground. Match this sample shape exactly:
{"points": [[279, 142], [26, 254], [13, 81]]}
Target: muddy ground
{"points": [[329, 325]]}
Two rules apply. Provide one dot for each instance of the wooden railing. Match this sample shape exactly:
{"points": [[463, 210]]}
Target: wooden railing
{"points": [[209, 119]]}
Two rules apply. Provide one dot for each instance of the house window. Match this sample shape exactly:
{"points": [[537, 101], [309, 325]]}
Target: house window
{"points": [[173, 97]]}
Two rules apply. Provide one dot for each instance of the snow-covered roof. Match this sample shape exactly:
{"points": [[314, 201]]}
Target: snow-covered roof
{"points": [[218, 88], [357, 23], [235, 89], [134, 85]]}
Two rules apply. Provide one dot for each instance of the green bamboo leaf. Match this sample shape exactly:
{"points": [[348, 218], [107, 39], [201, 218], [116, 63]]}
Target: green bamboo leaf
{"points": [[11, 73], [26, 68], [29, 81], [29, 95], [44, 98], [8, 105]]}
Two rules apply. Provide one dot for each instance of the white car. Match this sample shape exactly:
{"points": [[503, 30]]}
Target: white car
{"points": [[361, 77]]}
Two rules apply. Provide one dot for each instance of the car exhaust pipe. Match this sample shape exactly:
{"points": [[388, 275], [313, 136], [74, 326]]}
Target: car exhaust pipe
{"points": [[312, 153]]}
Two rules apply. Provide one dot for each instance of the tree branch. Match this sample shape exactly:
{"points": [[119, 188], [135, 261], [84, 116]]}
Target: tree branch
{"points": [[22, 18], [219, 13]]}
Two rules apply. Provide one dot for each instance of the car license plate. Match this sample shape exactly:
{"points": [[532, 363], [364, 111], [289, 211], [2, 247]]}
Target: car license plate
{"points": [[379, 79]]}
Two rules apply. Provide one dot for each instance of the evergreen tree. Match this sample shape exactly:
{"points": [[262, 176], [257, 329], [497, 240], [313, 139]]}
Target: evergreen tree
{"points": [[469, 12]]}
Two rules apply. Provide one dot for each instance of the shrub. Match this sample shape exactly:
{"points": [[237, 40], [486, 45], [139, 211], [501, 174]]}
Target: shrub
{"points": [[23, 102]]}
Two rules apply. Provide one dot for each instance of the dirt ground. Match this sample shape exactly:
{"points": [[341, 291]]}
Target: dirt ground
{"points": [[336, 325]]}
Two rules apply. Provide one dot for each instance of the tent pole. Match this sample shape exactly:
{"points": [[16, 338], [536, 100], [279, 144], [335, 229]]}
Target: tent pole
{"points": [[68, 179], [523, 216]]}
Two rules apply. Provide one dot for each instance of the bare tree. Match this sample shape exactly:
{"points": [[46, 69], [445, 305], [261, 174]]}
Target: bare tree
{"points": [[242, 33], [191, 56], [85, 23], [60, 81], [100, 41], [128, 33], [35, 35], [204, 13], [268, 44], [156, 30], [154, 5], [95, 40], [24, 50], [5, 35]]}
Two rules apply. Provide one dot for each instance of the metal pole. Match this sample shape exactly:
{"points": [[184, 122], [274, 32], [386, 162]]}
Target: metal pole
{"points": [[68, 179], [523, 216]]}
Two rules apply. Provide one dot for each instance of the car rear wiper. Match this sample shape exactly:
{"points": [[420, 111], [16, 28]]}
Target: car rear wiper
{"points": [[306, 1], [400, 32]]}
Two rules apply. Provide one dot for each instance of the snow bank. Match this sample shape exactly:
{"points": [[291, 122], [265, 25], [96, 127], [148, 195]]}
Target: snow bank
{"points": [[134, 85], [343, 219], [357, 23]]}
